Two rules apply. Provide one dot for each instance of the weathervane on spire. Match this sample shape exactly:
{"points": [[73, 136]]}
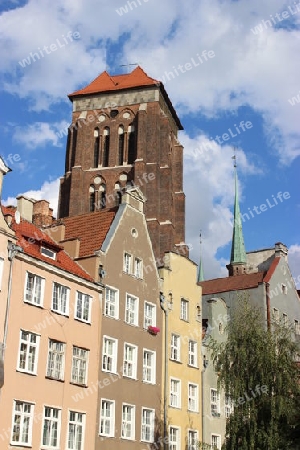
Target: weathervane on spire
{"points": [[234, 156], [200, 276]]}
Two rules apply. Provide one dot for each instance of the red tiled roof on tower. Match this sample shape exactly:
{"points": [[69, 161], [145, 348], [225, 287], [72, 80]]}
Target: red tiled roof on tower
{"points": [[105, 82]]}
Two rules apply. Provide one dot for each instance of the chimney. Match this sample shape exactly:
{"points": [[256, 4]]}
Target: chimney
{"points": [[281, 250], [42, 214], [25, 207]]}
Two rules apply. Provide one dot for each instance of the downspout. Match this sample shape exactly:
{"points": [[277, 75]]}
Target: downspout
{"points": [[165, 310], [268, 306]]}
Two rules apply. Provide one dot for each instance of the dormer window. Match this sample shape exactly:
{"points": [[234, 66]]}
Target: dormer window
{"points": [[48, 253]]}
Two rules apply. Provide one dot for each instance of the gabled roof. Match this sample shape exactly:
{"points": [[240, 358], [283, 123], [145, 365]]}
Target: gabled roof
{"points": [[238, 282], [90, 228], [133, 80], [31, 238]]}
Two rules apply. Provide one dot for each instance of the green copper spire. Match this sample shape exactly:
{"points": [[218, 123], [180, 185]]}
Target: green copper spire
{"points": [[238, 253], [200, 270]]}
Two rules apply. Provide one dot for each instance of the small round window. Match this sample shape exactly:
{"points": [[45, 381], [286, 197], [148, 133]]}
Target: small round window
{"points": [[134, 232]]}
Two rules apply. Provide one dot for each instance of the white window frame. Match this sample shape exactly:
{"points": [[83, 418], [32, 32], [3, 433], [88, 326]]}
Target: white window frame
{"points": [[58, 356], [107, 355], [193, 353], [149, 319], [175, 392], [149, 368], [193, 400], [105, 419], [83, 306], [276, 315], [110, 305], [297, 327], [61, 288], [130, 363], [30, 348], [131, 314], [214, 402], [184, 309], [127, 263], [19, 424], [80, 362], [147, 424], [79, 427], [138, 268], [174, 432], [228, 406], [48, 253], [175, 347], [218, 445], [51, 423], [193, 439], [128, 422], [30, 295]]}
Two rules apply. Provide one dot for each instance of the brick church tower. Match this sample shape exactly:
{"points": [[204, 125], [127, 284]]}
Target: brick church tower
{"points": [[123, 133]]}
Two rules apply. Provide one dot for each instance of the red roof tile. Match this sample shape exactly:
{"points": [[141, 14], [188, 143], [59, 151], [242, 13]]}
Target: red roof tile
{"points": [[90, 228], [271, 269], [235, 283], [30, 238]]}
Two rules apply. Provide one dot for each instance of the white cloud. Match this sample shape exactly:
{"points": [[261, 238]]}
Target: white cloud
{"points": [[49, 191], [41, 133]]}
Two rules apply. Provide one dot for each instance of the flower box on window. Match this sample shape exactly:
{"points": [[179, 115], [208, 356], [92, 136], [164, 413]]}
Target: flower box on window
{"points": [[153, 330]]}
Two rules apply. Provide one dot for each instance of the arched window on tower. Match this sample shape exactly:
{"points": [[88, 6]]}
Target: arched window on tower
{"points": [[131, 144], [106, 147], [121, 145], [92, 198], [96, 146], [74, 144], [102, 196]]}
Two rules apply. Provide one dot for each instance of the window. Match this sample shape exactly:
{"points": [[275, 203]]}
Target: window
{"points": [[56, 360], [175, 393], [285, 319], [34, 289], [216, 442], [79, 365], [128, 422], [174, 442], [111, 307], [130, 357], [96, 146], [192, 440], [297, 326], [83, 307], [48, 253], [92, 195], [184, 310], [109, 358], [131, 310], [138, 268], [22, 423], [193, 400], [228, 406], [276, 315], [121, 145], [127, 263], [284, 289], [51, 427], [105, 161], [193, 354], [149, 315], [76, 427], [107, 418], [149, 366], [60, 299], [131, 144], [147, 434], [28, 352], [214, 402], [175, 347]]}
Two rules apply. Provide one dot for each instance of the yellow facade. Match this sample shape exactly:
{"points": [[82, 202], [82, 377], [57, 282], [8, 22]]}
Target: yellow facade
{"points": [[182, 363]]}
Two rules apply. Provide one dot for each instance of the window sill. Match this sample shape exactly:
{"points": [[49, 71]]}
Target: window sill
{"points": [[60, 313], [27, 373], [83, 385], [193, 367], [80, 320], [54, 379], [176, 361], [33, 304], [17, 444]]}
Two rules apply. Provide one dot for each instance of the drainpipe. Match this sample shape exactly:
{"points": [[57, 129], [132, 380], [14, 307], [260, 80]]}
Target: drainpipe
{"points": [[164, 307], [268, 306]]}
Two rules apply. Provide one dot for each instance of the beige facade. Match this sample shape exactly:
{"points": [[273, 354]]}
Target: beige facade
{"points": [[183, 363]]}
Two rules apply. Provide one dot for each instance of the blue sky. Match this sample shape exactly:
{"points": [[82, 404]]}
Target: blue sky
{"points": [[231, 69]]}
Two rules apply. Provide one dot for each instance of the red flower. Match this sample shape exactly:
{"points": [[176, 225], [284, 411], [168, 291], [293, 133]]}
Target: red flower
{"points": [[153, 330]]}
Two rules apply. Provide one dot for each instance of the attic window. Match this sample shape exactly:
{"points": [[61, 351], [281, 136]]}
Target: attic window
{"points": [[114, 113], [48, 253]]}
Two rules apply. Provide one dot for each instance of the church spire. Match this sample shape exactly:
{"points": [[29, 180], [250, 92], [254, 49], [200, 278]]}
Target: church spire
{"points": [[200, 270], [238, 258]]}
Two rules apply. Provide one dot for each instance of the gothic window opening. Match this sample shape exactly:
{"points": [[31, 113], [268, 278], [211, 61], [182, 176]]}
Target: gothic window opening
{"points": [[121, 145], [131, 144], [74, 144], [96, 146], [102, 196], [106, 147], [118, 193], [92, 198]]}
